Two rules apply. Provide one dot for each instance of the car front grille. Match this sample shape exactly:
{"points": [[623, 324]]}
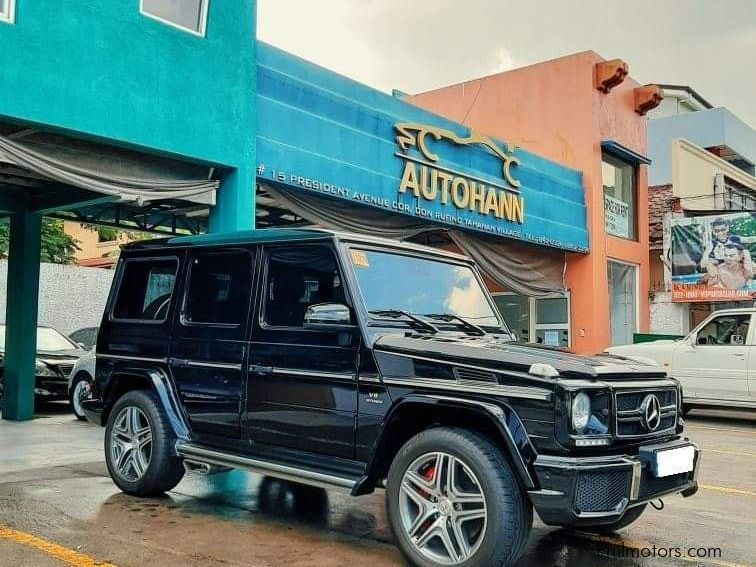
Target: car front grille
{"points": [[630, 422], [601, 491]]}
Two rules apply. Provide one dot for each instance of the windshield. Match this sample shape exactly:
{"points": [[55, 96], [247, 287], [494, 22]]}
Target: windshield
{"points": [[421, 286], [47, 339]]}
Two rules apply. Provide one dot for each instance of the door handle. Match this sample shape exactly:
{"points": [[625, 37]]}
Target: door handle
{"points": [[178, 362], [259, 369]]}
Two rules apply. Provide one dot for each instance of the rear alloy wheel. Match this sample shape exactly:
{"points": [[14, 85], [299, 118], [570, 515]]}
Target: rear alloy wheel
{"points": [[139, 445], [131, 443], [80, 390]]}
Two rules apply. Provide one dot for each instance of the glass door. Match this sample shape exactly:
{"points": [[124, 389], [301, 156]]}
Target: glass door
{"points": [[623, 302]]}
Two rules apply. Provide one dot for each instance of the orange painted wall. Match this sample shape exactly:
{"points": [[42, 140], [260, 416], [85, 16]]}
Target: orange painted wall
{"points": [[553, 109]]}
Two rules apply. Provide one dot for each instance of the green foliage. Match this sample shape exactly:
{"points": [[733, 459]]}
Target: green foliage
{"points": [[57, 246], [106, 234]]}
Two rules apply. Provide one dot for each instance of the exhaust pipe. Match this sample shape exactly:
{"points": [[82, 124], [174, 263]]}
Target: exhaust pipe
{"points": [[204, 469]]}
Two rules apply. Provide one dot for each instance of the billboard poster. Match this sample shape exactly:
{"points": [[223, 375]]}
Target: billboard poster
{"points": [[712, 258]]}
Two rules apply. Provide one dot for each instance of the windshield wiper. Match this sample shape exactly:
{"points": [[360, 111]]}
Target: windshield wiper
{"points": [[451, 317], [399, 313]]}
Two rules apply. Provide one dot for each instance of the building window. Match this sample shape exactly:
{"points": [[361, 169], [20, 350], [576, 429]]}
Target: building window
{"points": [[620, 197], [738, 197], [623, 302], [537, 320], [188, 15], [7, 11], [552, 326]]}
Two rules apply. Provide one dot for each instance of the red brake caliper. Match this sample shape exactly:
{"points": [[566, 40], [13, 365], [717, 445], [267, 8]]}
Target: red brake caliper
{"points": [[428, 474]]}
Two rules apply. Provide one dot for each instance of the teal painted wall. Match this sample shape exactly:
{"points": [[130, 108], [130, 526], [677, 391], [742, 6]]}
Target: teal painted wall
{"points": [[100, 68]]}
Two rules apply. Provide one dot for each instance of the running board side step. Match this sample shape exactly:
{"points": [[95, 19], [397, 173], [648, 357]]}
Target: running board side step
{"points": [[200, 454]]}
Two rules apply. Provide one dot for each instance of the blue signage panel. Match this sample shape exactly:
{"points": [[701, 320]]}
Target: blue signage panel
{"points": [[321, 132]]}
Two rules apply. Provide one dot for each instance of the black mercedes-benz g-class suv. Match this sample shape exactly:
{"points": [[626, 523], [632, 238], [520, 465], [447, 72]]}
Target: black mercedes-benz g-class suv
{"points": [[353, 362]]}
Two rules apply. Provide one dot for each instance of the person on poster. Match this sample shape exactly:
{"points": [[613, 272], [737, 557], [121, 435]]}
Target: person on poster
{"points": [[720, 238], [735, 271]]}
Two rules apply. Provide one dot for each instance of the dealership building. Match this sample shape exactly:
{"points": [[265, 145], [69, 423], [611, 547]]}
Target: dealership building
{"points": [[148, 117]]}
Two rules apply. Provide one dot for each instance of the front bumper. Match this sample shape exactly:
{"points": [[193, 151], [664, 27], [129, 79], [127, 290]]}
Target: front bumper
{"points": [[51, 387], [599, 490]]}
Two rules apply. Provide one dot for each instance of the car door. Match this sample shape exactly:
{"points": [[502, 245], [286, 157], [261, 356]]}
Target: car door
{"points": [[208, 345], [713, 362], [301, 386]]}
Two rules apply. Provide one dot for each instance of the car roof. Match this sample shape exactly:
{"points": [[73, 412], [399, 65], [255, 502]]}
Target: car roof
{"points": [[734, 311], [277, 235]]}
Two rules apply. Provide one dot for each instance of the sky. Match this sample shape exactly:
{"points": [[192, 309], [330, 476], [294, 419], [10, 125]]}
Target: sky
{"points": [[418, 45]]}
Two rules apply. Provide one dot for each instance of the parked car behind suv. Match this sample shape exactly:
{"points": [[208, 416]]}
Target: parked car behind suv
{"points": [[356, 363], [56, 356], [715, 363]]}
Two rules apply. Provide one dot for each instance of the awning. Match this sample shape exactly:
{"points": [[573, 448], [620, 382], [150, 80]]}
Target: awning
{"points": [[624, 153], [126, 174], [526, 269]]}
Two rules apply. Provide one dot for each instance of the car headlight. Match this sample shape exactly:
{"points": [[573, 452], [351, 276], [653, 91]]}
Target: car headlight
{"points": [[581, 412], [41, 369]]}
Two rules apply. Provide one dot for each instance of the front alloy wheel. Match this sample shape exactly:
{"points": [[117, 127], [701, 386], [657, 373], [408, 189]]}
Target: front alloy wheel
{"points": [[452, 499], [443, 509], [131, 443]]}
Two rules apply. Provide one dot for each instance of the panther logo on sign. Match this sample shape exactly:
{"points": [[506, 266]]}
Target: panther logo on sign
{"points": [[651, 412]]}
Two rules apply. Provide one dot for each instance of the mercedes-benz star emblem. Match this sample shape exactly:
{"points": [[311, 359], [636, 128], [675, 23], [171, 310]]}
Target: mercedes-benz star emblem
{"points": [[651, 412]]}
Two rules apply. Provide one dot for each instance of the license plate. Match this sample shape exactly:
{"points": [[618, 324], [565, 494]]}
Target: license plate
{"points": [[673, 461]]}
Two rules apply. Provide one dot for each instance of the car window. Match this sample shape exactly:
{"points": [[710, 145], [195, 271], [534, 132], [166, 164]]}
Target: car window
{"points": [[145, 290], [219, 288], [725, 330], [298, 277], [86, 336]]}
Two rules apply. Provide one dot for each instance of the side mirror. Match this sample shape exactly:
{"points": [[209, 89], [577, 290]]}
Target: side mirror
{"points": [[700, 341], [328, 317]]}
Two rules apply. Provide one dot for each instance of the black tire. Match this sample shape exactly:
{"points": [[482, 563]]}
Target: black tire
{"points": [[509, 513], [80, 377], [630, 516], [164, 470]]}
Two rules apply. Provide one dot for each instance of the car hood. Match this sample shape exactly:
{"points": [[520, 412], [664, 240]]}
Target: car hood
{"points": [[60, 356], [500, 354]]}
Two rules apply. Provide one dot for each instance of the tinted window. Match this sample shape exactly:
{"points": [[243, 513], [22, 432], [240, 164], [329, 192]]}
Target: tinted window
{"points": [[145, 291], [218, 290], [297, 278]]}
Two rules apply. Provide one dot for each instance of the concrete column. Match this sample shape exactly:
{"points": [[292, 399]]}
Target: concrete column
{"points": [[235, 208], [21, 315]]}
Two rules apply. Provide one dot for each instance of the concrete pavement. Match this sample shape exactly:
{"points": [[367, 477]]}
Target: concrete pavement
{"points": [[54, 487]]}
